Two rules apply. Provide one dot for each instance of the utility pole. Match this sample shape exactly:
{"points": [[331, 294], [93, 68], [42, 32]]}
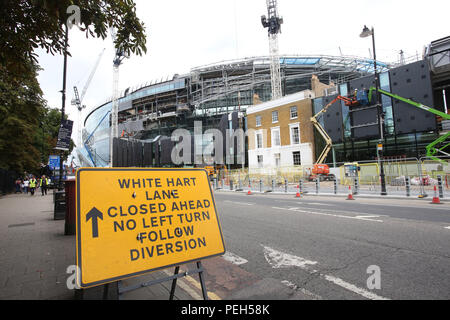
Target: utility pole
{"points": [[365, 33], [63, 108]]}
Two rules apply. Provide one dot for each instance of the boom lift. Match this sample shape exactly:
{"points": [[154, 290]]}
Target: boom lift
{"points": [[432, 148]]}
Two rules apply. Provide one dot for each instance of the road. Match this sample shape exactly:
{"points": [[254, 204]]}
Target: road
{"points": [[331, 248]]}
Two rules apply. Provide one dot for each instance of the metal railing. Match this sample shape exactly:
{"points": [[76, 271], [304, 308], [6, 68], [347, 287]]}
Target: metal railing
{"points": [[409, 177]]}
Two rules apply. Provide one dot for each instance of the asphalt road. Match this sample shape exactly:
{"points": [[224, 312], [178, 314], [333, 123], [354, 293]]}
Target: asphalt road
{"points": [[330, 248]]}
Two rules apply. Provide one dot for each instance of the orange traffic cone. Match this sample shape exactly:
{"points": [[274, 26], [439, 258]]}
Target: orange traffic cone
{"points": [[297, 195], [249, 193], [350, 194], [436, 199]]}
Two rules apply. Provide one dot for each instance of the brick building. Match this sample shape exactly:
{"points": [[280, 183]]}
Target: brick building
{"points": [[280, 132]]}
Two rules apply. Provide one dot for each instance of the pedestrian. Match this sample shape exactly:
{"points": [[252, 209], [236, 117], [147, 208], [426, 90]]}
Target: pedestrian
{"points": [[26, 184], [43, 184], [49, 182], [18, 182], [33, 184], [22, 186]]}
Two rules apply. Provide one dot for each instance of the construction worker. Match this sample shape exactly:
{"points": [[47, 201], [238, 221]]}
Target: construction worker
{"points": [[43, 185], [33, 184]]}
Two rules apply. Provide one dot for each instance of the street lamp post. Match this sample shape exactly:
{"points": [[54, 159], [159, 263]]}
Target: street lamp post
{"points": [[366, 33], [63, 107]]}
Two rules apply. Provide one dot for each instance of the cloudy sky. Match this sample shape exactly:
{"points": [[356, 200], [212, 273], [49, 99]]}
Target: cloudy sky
{"points": [[185, 34]]}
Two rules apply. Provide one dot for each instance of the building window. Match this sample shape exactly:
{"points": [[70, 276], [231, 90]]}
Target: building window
{"points": [[294, 113], [276, 140], [274, 116], [277, 159], [258, 121], [260, 161], [259, 140], [297, 158], [295, 135]]}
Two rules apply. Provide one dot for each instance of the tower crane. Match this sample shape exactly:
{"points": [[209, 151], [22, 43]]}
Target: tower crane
{"points": [[273, 22], [78, 100], [118, 58]]}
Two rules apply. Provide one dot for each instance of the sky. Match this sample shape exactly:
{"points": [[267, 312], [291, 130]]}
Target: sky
{"points": [[182, 35]]}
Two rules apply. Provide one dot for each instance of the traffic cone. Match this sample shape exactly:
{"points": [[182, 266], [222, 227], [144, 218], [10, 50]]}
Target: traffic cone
{"points": [[297, 195], [436, 199], [249, 193], [350, 194]]}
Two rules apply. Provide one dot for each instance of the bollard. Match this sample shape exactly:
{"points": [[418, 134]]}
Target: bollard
{"points": [[300, 186], [223, 183], [285, 185], [70, 216], [317, 185], [273, 185], [408, 186], [440, 186], [356, 186], [231, 184], [335, 186], [260, 185]]}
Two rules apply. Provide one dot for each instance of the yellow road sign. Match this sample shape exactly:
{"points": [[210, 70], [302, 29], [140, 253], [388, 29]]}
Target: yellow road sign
{"points": [[132, 221]]}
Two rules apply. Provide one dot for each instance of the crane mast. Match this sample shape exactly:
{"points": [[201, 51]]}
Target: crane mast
{"points": [[273, 22], [78, 100]]}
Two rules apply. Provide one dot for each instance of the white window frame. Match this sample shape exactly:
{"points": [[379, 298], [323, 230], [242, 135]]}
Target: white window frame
{"points": [[258, 123], [272, 130], [293, 158], [257, 133], [292, 126], [277, 156], [260, 164], [296, 112], [278, 115]]}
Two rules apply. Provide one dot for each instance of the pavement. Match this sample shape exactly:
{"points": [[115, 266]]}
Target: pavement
{"points": [[35, 256], [278, 248], [37, 263]]}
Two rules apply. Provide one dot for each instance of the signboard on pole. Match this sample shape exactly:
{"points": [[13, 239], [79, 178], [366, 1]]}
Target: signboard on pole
{"points": [[53, 162], [64, 135], [134, 221]]}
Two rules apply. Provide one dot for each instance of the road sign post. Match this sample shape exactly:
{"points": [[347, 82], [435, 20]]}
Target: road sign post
{"points": [[134, 221]]}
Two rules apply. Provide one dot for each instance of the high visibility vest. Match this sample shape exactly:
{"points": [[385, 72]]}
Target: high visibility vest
{"points": [[33, 183]]}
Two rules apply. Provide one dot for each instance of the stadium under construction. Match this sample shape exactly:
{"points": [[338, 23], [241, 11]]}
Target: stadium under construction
{"points": [[220, 94]]}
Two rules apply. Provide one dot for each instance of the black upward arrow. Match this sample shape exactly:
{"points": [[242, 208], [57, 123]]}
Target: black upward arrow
{"points": [[94, 214]]}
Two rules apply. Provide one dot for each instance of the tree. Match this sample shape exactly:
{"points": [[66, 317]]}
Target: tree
{"points": [[26, 25], [26, 123], [21, 106]]}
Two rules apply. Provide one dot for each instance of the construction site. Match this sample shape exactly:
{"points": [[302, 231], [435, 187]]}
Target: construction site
{"points": [[315, 117]]}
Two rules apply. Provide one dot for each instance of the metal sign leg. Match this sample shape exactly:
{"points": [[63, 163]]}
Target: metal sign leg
{"points": [[202, 281], [174, 284]]}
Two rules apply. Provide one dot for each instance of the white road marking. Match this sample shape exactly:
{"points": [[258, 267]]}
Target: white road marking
{"points": [[296, 209], [233, 258], [278, 259], [310, 203], [241, 203], [353, 288], [447, 228]]}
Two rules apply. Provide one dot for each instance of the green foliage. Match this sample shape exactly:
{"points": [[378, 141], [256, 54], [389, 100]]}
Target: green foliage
{"points": [[26, 25], [28, 128], [21, 106]]}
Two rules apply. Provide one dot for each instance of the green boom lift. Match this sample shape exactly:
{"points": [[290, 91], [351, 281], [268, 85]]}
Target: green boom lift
{"points": [[432, 148]]}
